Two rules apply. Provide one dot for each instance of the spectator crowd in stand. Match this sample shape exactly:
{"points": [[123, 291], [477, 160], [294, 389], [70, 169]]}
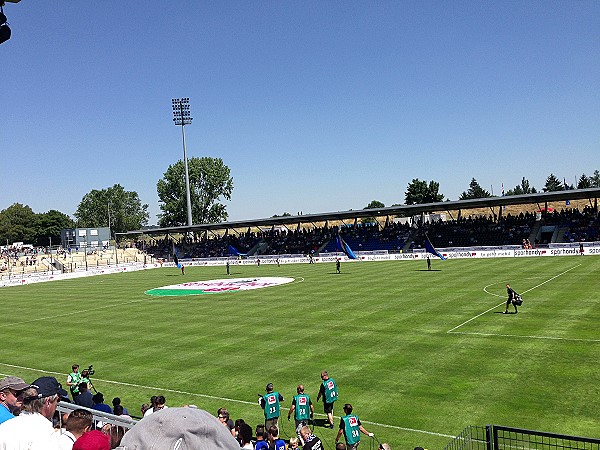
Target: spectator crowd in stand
{"points": [[393, 236]]}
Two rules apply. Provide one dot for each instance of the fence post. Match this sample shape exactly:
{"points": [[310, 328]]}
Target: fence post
{"points": [[488, 438]]}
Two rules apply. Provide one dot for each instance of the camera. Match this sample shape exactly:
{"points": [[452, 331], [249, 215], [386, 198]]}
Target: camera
{"points": [[90, 370]]}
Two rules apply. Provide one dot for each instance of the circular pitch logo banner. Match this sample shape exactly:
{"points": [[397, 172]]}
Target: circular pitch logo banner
{"points": [[218, 286]]}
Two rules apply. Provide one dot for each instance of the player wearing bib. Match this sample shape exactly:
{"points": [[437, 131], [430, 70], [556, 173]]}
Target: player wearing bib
{"points": [[302, 408], [351, 427], [270, 404], [329, 392]]}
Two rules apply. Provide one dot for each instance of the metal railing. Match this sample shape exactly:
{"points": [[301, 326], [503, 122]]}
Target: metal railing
{"points": [[496, 437]]}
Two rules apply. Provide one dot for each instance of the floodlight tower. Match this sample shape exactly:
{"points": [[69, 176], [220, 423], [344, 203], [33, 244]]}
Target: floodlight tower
{"points": [[181, 116]]}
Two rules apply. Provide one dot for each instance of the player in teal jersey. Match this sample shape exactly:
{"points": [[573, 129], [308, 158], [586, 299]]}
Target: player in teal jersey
{"points": [[270, 404], [302, 408], [329, 392], [351, 427]]}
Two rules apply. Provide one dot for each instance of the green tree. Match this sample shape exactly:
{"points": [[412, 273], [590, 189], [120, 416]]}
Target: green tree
{"points": [[210, 180], [596, 179], [475, 191], [124, 208], [17, 224], [584, 182], [419, 192], [374, 204], [522, 189], [553, 184], [48, 226]]}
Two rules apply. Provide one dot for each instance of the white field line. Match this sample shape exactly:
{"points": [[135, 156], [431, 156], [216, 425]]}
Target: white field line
{"points": [[530, 337], [524, 292], [211, 397]]}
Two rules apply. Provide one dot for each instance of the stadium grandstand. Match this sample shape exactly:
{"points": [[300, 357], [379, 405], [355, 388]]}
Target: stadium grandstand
{"points": [[543, 219], [540, 219]]}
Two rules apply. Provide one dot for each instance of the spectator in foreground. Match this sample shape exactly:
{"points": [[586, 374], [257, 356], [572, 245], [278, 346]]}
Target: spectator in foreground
{"points": [[261, 444], [223, 416], [78, 422], [99, 404], [245, 437], [159, 404], [117, 401], [33, 429], [311, 442], [179, 428], [85, 397], [274, 442], [92, 440], [11, 397]]}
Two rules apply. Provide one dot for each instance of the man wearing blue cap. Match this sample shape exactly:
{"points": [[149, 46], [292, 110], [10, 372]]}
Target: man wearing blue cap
{"points": [[32, 429]]}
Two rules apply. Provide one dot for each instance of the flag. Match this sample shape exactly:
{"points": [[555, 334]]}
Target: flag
{"points": [[176, 260], [504, 206], [341, 245], [431, 249], [234, 251]]}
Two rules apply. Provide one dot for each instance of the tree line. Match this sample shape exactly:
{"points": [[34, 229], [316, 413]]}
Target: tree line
{"points": [[210, 183]]}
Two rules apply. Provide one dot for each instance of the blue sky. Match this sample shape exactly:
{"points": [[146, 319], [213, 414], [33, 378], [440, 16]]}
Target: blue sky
{"points": [[315, 106]]}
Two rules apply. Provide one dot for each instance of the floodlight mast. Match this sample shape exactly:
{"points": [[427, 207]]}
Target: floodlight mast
{"points": [[181, 116]]}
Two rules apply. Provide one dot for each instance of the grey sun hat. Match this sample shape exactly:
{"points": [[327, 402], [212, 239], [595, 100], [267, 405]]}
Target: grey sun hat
{"points": [[179, 429]]}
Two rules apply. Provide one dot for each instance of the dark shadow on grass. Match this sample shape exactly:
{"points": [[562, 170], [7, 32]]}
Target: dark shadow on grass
{"points": [[502, 312], [319, 422], [425, 270]]}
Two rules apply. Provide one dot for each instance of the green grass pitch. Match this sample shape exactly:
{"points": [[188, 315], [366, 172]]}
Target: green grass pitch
{"points": [[419, 354]]}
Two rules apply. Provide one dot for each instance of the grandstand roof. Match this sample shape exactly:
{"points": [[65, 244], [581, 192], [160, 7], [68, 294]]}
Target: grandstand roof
{"points": [[541, 199]]}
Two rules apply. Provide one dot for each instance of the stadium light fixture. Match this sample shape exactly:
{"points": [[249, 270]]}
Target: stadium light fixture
{"points": [[181, 116], [4, 28]]}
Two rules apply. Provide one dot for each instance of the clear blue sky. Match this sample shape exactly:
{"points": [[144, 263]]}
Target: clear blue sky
{"points": [[315, 106]]}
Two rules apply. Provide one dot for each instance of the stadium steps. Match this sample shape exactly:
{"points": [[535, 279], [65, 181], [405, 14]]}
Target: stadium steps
{"points": [[559, 234], [535, 231], [410, 240]]}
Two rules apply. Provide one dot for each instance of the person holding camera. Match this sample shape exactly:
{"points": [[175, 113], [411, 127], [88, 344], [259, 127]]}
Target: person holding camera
{"points": [[73, 380], [270, 404]]}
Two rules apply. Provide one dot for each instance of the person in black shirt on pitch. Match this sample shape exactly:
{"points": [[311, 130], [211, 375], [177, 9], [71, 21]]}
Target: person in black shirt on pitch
{"points": [[511, 296]]}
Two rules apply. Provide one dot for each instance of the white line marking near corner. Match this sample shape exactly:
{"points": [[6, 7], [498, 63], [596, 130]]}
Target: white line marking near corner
{"points": [[473, 318], [554, 338], [556, 276], [212, 397], [524, 292]]}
